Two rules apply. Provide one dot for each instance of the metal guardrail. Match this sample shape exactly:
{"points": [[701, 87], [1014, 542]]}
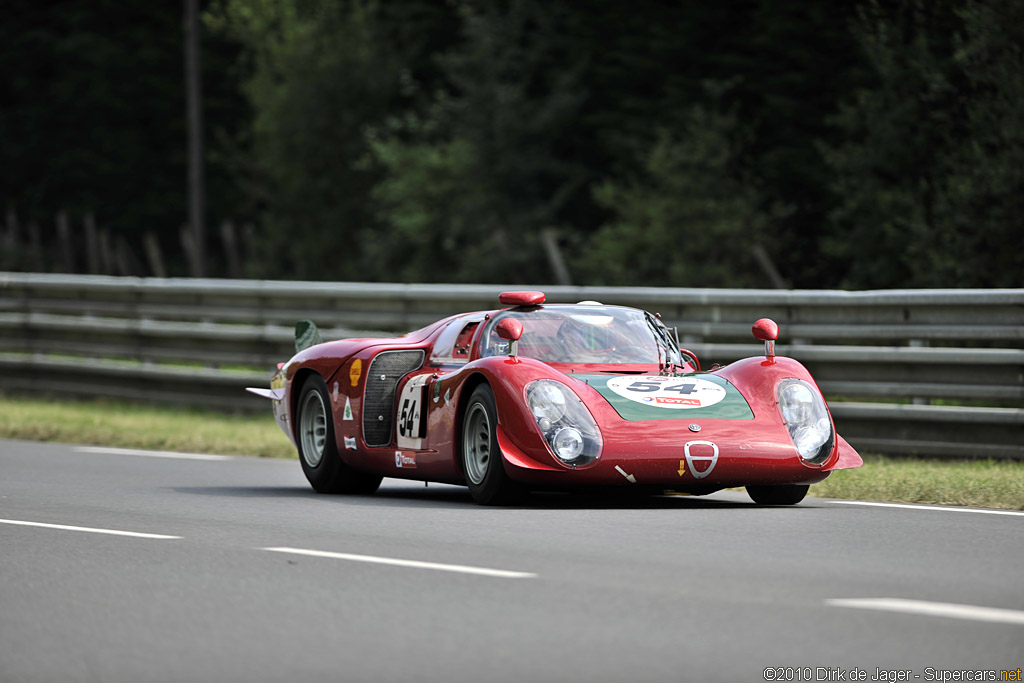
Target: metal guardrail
{"points": [[115, 336]]}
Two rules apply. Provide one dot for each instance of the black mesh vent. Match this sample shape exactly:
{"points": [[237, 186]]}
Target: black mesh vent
{"points": [[386, 369]]}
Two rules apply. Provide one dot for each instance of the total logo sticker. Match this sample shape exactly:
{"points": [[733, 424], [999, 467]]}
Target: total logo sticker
{"points": [[674, 393]]}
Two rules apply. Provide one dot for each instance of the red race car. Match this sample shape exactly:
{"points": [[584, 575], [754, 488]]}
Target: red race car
{"points": [[554, 396]]}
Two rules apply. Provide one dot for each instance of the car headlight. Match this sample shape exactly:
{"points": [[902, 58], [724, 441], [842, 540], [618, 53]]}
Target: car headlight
{"points": [[567, 443], [803, 409], [547, 402], [567, 426]]}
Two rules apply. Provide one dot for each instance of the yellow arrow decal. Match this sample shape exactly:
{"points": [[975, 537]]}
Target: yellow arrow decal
{"points": [[682, 467]]}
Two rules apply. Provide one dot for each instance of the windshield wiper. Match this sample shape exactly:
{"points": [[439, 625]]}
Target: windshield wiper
{"points": [[661, 335]]}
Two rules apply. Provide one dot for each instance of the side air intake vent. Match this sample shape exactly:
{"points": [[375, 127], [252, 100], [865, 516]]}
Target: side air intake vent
{"points": [[386, 370]]}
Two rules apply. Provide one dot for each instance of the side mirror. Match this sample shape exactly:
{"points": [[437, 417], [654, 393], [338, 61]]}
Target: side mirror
{"points": [[512, 330], [767, 330]]}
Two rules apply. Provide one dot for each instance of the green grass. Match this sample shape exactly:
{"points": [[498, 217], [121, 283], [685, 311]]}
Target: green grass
{"points": [[126, 425], [975, 483], [981, 483]]}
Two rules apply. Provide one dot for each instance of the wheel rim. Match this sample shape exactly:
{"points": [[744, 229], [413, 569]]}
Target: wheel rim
{"points": [[476, 443], [313, 428]]}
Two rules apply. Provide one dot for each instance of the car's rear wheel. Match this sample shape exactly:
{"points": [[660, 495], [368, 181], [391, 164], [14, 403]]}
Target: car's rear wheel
{"points": [[480, 456], [318, 449], [778, 494]]}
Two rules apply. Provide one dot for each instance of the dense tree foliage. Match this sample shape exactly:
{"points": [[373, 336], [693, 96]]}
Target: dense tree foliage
{"points": [[92, 116], [854, 143], [671, 220], [472, 180], [320, 74], [929, 177]]}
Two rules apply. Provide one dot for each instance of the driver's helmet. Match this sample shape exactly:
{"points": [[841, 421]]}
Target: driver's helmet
{"points": [[591, 334]]}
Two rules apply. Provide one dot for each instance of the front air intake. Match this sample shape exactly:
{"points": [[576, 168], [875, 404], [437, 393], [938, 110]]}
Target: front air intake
{"points": [[386, 370]]}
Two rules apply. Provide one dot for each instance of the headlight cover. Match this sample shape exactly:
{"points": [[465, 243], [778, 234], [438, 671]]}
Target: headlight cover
{"points": [[547, 401], [570, 431], [803, 409]]}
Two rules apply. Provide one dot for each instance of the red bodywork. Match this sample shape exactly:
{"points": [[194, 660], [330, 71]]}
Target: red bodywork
{"points": [[644, 453]]}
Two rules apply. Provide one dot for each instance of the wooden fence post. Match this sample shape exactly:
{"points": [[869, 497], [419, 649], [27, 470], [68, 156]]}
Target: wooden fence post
{"points": [[127, 262], [230, 239], [554, 254], [11, 234], [35, 248], [66, 244], [92, 245], [154, 255], [188, 245], [107, 260], [249, 251]]}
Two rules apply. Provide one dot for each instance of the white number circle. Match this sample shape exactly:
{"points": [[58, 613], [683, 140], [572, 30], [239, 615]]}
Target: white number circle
{"points": [[674, 393]]}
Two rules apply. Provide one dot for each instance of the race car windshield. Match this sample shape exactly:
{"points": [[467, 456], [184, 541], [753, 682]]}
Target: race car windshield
{"points": [[582, 334]]}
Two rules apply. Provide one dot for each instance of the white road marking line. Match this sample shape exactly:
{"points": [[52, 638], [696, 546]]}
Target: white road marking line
{"points": [[151, 454], [415, 564], [933, 609], [112, 532], [942, 508]]}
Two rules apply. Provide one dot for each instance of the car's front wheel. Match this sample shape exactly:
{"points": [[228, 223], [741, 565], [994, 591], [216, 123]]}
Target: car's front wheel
{"points": [[778, 494], [480, 456], [318, 449]]}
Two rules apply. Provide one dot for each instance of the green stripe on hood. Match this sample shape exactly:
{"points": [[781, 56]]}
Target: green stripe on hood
{"points": [[641, 404]]}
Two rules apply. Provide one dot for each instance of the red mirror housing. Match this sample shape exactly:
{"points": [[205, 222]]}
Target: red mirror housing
{"points": [[766, 329], [531, 298], [509, 328]]}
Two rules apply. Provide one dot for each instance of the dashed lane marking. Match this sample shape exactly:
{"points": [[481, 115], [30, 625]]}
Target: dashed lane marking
{"points": [[151, 454], [91, 530], [941, 508], [933, 609], [414, 564]]}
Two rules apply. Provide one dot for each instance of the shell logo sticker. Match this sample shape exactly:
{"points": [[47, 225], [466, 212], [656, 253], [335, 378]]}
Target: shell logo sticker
{"points": [[673, 393], [692, 459], [356, 371]]}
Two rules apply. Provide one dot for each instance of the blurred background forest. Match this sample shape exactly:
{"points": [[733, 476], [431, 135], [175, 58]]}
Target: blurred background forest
{"points": [[845, 144]]}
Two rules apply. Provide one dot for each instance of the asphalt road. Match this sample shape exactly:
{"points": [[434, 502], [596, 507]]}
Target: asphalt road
{"points": [[420, 584]]}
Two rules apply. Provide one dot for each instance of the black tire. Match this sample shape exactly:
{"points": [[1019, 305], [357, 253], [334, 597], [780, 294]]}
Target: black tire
{"points": [[318, 448], [479, 454], [778, 494]]}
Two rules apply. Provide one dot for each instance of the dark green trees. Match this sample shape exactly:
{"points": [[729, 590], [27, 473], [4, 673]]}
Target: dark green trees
{"points": [[928, 178], [854, 143]]}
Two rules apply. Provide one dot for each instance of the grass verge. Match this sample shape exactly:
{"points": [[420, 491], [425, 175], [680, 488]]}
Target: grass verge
{"points": [[975, 483], [978, 483], [127, 425]]}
